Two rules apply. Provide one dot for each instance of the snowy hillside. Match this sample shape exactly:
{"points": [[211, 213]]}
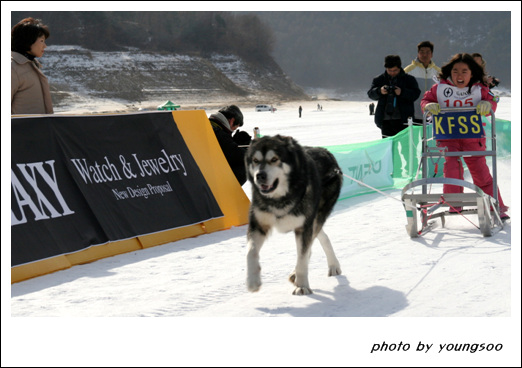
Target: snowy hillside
{"points": [[77, 74]]}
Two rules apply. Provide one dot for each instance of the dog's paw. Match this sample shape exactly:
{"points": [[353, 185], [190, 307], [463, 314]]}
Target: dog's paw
{"points": [[302, 291], [253, 283], [334, 270]]}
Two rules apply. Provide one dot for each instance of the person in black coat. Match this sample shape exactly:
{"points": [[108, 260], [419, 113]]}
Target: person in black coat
{"points": [[224, 123], [395, 93]]}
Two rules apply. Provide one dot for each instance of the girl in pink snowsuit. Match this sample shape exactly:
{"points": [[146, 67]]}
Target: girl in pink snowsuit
{"points": [[461, 86]]}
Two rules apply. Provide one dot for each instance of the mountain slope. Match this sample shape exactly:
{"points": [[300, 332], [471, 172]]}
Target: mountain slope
{"points": [[135, 76]]}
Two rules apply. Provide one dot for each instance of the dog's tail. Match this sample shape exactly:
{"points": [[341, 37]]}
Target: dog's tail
{"points": [[335, 174]]}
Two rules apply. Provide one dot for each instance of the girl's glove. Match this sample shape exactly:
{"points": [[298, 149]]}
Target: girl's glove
{"points": [[433, 108], [483, 108]]}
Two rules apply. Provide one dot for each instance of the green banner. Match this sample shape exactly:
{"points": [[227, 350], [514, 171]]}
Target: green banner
{"points": [[393, 162]]}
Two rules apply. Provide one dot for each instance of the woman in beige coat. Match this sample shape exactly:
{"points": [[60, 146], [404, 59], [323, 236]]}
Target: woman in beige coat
{"points": [[30, 93]]}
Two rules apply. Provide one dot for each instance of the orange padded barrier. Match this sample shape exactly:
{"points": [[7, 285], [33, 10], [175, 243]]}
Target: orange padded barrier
{"points": [[202, 143]]}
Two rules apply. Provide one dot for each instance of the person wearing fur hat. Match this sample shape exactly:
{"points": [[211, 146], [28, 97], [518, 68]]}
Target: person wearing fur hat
{"points": [[395, 92], [227, 120]]}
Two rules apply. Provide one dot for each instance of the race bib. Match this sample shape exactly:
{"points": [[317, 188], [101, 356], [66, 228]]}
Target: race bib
{"points": [[450, 96]]}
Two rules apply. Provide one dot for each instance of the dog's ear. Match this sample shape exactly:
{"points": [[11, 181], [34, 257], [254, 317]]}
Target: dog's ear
{"points": [[286, 139]]}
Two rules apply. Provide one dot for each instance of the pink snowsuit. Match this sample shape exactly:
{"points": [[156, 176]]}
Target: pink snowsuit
{"points": [[478, 168]]}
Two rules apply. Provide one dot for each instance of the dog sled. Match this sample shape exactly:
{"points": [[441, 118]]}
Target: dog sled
{"points": [[424, 200]]}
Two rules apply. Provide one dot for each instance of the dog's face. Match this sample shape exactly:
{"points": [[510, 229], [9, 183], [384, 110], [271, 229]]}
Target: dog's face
{"points": [[269, 166]]}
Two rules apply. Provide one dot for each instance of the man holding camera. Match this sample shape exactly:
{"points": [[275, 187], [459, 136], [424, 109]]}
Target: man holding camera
{"points": [[395, 92]]}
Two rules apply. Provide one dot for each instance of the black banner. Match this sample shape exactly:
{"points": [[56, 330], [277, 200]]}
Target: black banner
{"points": [[78, 181]]}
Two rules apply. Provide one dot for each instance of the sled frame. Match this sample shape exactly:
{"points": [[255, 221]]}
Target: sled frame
{"points": [[422, 206]]}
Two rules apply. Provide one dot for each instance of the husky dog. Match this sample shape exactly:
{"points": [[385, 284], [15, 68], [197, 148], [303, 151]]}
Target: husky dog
{"points": [[294, 188]]}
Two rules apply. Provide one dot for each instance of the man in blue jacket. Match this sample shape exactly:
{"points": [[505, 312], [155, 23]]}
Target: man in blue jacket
{"points": [[395, 91]]}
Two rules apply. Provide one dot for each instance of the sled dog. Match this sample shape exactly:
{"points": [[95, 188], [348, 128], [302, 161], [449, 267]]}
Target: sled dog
{"points": [[294, 188]]}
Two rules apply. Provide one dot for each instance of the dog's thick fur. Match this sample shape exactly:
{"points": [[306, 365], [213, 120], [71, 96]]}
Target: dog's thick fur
{"points": [[294, 188]]}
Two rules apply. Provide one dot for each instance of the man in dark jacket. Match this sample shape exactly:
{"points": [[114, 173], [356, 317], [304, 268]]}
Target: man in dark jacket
{"points": [[395, 93], [224, 122]]}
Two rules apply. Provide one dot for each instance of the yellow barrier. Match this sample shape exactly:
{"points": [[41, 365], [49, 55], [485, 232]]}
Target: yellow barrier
{"points": [[202, 143]]}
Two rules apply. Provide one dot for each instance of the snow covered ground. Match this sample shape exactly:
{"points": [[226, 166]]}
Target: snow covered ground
{"points": [[452, 271]]}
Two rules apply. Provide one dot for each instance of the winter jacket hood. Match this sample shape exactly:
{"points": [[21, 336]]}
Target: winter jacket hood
{"points": [[219, 120]]}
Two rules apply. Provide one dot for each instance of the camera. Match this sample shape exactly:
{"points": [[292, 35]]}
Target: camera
{"points": [[494, 82], [390, 89]]}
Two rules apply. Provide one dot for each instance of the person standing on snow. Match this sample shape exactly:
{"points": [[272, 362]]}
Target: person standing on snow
{"points": [[30, 93], [462, 84], [395, 92], [224, 122], [491, 82], [425, 72]]}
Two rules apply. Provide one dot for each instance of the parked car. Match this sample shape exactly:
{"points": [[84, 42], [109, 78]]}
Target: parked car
{"points": [[265, 108]]}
